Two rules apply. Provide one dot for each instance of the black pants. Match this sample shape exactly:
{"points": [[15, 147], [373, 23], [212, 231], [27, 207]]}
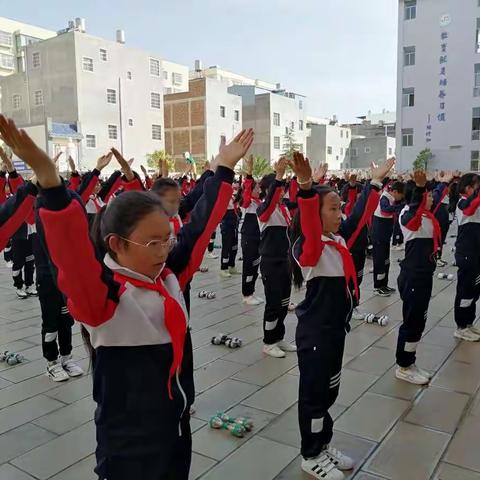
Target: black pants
{"points": [[359, 257], [320, 372], [23, 262], [277, 285], [229, 245], [444, 221], [147, 467], [381, 263], [468, 289], [397, 237], [7, 252], [415, 292], [211, 243], [251, 262], [56, 320]]}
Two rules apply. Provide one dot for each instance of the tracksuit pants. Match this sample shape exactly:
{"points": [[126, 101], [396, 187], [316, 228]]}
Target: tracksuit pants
{"points": [[359, 257], [415, 292], [320, 373], [23, 267], [277, 285], [397, 237], [229, 245], [7, 252], [211, 243], [381, 263], [444, 221], [251, 262], [468, 289], [56, 320]]}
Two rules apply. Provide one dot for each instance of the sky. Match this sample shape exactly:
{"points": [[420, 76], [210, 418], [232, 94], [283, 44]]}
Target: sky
{"points": [[341, 54]]}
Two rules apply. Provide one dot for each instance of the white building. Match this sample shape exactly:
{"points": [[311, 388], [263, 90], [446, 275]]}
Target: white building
{"points": [[365, 150], [438, 94], [175, 77], [328, 142], [90, 94]]}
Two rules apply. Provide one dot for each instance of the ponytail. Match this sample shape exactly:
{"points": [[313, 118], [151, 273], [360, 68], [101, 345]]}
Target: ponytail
{"points": [[295, 233]]}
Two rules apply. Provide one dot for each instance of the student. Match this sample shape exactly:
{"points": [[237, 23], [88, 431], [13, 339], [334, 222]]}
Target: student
{"points": [[250, 235], [322, 259], [229, 231], [467, 257], [441, 202], [274, 218], [422, 234], [382, 229], [133, 308]]}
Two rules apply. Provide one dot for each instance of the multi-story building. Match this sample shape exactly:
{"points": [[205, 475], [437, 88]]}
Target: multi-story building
{"points": [[175, 77], [328, 142], [438, 94], [365, 150], [90, 94], [277, 117], [375, 125], [196, 121]]}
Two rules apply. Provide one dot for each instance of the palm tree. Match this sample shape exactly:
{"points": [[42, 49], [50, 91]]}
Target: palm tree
{"points": [[261, 167], [153, 160]]}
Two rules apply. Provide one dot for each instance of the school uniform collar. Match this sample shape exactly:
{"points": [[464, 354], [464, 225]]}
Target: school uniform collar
{"points": [[116, 268]]}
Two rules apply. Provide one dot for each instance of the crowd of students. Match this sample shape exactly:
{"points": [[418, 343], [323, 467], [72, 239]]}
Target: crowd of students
{"points": [[118, 256]]}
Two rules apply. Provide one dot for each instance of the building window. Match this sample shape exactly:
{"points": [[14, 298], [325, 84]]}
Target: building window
{"points": [[300, 104], [156, 132], [347, 151], [408, 98], [111, 95], [368, 149], [346, 133], [38, 98], [300, 124], [408, 56], [276, 119], [129, 75], [354, 152], [390, 151], [130, 122], [477, 37], [87, 64], [155, 100], [6, 39], [474, 163], [91, 141], [236, 115], [223, 139], [154, 67], [476, 123], [407, 137], [341, 150], [286, 131], [329, 150], [7, 61], [112, 132], [276, 143], [36, 59], [177, 78], [17, 102], [222, 111], [410, 9], [292, 125], [341, 133], [103, 55]]}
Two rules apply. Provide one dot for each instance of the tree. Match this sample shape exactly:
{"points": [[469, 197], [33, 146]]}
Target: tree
{"points": [[421, 162], [153, 160], [289, 145], [261, 167]]}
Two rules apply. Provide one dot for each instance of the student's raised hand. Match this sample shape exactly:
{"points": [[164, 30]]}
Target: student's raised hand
{"points": [[26, 149], [164, 168], [320, 172], [420, 178], [248, 165], [56, 157], [71, 163], [379, 172], [232, 152], [144, 170], [124, 165], [6, 160], [301, 166], [353, 179], [445, 176], [103, 161], [280, 168]]}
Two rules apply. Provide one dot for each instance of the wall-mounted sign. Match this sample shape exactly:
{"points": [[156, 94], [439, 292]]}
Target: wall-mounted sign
{"points": [[445, 20]]}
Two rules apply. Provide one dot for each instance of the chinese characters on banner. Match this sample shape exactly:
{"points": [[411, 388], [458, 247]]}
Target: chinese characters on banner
{"points": [[428, 131], [443, 82]]}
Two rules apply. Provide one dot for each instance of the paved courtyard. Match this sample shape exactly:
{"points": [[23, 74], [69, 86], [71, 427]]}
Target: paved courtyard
{"points": [[394, 430]]}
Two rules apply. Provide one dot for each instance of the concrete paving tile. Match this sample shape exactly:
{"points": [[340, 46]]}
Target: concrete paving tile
{"points": [[352, 385], [461, 451], [452, 472], [442, 336], [374, 360], [200, 465], [247, 355], [390, 386], [73, 390], [409, 452], [213, 373], [372, 416], [458, 376], [266, 370], [9, 472], [82, 470]]}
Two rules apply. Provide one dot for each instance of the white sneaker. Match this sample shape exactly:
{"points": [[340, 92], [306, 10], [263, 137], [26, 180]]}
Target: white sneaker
{"points": [[225, 274], [9, 264], [21, 293], [72, 369], [261, 300], [212, 255], [411, 375], [357, 314], [339, 459], [286, 347], [273, 351], [251, 300], [466, 334], [234, 271], [425, 373], [322, 468], [474, 329], [56, 372], [192, 409], [31, 291]]}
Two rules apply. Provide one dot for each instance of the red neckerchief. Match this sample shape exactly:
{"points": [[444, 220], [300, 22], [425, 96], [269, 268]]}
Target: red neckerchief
{"points": [[437, 232], [286, 213], [174, 317], [95, 202], [348, 265], [175, 222], [351, 200], [444, 194]]}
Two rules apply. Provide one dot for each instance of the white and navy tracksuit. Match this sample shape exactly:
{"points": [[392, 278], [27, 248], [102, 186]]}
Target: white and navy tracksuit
{"points": [[467, 257], [382, 230], [324, 314], [441, 202], [229, 229], [274, 218], [422, 234], [7, 251], [250, 238], [138, 328]]}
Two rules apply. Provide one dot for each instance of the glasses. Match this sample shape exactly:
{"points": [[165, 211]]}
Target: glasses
{"points": [[152, 245]]}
